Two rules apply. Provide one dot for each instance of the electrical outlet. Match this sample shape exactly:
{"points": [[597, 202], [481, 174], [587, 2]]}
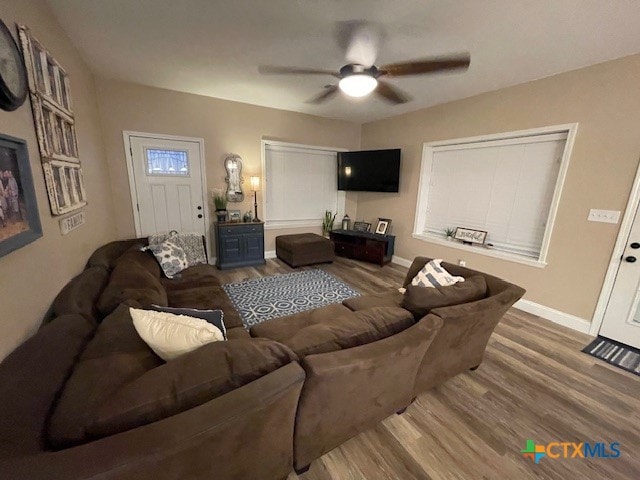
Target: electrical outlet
{"points": [[605, 216]]}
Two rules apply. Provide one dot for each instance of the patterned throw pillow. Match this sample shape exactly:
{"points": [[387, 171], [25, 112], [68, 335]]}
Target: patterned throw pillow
{"points": [[434, 275], [170, 256], [191, 243]]}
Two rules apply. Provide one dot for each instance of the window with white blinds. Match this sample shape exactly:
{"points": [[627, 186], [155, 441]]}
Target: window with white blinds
{"points": [[508, 187], [300, 184]]}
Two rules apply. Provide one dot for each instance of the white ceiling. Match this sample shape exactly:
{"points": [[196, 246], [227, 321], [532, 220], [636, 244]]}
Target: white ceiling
{"points": [[214, 47]]}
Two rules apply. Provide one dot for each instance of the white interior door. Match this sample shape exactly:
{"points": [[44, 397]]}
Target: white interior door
{"points": [[622, 317], [168, 186]]}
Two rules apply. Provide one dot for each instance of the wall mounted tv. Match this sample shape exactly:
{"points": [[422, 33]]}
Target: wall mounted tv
{"points": [[369, 170]]}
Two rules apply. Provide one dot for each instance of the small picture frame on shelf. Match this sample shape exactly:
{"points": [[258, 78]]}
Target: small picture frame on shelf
{"points": [[382, 227], [361, 226], [234, 216]]}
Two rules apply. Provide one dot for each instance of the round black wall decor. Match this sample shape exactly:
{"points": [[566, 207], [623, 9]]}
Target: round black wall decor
{"points": [[13, 75]]}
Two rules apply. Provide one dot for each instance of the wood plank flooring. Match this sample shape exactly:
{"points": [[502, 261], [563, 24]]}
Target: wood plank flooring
{"points": [[534, 383]]}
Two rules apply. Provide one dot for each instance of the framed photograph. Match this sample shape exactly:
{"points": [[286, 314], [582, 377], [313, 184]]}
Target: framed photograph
{"points": [[234, 216], [469, 236], [19, 219], [361, 226], [382, 227]]}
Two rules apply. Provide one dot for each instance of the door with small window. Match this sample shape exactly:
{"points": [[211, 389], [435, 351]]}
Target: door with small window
{"points": [[167, 185]]}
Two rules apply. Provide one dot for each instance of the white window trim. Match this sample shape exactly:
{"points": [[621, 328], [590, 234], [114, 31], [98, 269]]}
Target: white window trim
{"points": [[294, 223], [428, 150]]}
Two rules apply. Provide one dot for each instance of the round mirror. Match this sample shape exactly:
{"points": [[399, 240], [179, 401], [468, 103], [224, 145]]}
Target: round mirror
{"points": [[233, 165]]}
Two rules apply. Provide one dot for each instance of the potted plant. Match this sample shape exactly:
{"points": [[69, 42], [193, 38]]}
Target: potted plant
{"points": [[327, 222], [220, 201], [449, 232]]}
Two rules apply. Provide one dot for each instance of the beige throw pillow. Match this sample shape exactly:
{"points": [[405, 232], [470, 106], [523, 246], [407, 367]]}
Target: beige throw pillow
{"points": [[169, 335]]}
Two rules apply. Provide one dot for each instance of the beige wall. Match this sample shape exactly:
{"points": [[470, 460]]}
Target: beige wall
{"points": [[605, 101], [226, 127], [31, 276]]}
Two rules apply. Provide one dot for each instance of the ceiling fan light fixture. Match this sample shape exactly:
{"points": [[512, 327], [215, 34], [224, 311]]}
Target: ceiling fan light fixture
{"points": [[358, 85]]}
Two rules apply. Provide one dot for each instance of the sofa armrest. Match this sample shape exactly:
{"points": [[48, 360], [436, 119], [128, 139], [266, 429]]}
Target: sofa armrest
{"points": [[463, 339], [349, 390], [246, 433]]}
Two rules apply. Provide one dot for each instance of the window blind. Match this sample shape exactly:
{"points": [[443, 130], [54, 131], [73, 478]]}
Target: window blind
{"points": [[300, 184], [504, 187]]}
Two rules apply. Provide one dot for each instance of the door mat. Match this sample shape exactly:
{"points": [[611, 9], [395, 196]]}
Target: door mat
{"points": [[615, 353], [261, 299]]}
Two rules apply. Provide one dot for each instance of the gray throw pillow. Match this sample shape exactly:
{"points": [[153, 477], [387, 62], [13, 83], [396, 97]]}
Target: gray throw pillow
{"points": [[214, 317], [421, 300]]}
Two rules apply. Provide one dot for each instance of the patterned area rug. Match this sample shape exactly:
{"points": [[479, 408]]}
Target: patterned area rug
{"points": [[261, 299], [615, 353]]}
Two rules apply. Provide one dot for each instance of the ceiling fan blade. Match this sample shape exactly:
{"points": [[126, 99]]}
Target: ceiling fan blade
{"points": [[330, 91], [360, 40], [391, 94], [428, 65], [278, 70]]}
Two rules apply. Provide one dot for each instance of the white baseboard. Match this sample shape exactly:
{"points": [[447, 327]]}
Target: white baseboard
{"points": [[556, 316], [401, 261], [270, 254]]}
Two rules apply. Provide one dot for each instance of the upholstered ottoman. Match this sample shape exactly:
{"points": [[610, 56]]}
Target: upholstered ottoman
{"points": [[304, 249]]}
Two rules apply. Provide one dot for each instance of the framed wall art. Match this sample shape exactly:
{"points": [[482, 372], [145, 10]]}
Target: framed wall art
{"points": [[19, 219], [470, 236], [50, 92]]}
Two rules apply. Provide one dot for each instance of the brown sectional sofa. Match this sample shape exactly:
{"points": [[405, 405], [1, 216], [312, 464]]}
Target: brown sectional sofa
{"points": [[86, 398]]}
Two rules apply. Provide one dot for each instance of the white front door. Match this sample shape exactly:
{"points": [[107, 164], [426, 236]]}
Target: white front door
{"points": [[167, 183], [622, 317]]}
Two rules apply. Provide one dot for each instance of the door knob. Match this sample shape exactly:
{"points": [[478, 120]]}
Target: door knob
{"points": [[630, 259], [635, 245], [200, 208], [200, 216]]}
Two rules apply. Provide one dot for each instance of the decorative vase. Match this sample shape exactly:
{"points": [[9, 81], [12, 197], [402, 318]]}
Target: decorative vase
{"points": [[221, 215], [449, 238]]}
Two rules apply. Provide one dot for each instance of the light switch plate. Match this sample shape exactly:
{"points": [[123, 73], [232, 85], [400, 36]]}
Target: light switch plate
{"points": [[605, 216]]}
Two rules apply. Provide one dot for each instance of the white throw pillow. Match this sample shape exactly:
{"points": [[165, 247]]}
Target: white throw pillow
{"points": [[434, 275], [172, 335]]}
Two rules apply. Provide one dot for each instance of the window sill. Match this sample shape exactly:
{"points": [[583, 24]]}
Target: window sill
{"points": [[481, 250], [282, 224]]}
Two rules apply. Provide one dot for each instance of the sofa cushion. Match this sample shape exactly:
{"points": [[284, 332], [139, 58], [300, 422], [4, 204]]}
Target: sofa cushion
{"points": [[392, 298], [283, 328], [107, 255], [188, 381], [115, 356], [171, 336], [31, 378], [135, 281], [421, 300], [205, 297], [81, 294], [338, 332]]}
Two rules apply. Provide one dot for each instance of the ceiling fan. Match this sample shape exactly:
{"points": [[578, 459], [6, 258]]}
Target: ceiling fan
{"points": [[361, 41]]}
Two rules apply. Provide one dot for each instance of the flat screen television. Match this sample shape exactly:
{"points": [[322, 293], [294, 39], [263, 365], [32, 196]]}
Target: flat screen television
{"points": [[369, 170]]}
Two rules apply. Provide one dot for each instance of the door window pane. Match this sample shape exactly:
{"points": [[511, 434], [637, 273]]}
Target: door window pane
{"points": [[167, 162]]}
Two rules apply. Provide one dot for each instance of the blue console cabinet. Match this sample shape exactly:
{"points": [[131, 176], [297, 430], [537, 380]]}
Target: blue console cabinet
{"points": [[239, 244]]}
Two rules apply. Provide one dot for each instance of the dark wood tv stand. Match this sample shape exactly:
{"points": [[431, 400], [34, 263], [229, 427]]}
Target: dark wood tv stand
{"points": [[369, 247]]}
